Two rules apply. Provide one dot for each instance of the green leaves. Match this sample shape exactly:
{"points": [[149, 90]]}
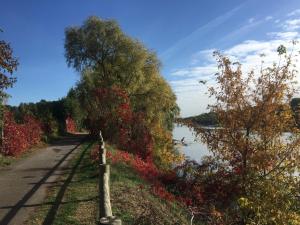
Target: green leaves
{"points": [[107, 59], [281, 50]]}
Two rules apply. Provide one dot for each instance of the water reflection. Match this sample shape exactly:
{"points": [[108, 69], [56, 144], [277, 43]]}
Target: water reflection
{"points": [[192, 148]]}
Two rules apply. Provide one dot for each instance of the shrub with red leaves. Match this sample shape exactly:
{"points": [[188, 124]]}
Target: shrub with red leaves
{"points": [[146, 169], [160, 180], [19, 137], [70, 125], [119, 123]]}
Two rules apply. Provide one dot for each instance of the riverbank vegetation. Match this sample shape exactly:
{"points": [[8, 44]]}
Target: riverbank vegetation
{"points": [[254, 170], [204, 119], [250, 177], [210, 118]]}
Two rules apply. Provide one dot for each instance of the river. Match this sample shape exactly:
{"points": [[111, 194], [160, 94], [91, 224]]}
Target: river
{"points": [[194, 148]]}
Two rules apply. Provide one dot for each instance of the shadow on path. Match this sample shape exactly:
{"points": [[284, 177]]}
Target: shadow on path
{"points": [[58, 200], [21, 203]]}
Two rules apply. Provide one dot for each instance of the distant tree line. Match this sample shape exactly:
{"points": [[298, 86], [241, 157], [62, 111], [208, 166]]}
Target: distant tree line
{"points": [[204, 119], [52, 114], [210, 118]]}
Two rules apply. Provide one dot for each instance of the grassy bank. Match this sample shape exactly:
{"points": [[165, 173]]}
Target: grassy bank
{"points": [[132, 200]]}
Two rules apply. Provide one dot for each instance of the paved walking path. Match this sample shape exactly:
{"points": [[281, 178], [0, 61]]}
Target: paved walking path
{"points": [[24, 184]]}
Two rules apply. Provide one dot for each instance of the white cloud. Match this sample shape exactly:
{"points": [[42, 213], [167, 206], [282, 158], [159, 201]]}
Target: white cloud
{"points": [[294, 13], [193, 102], [196, 72], [247, 47], [284, 35], [251, 20], [269, 18], [191, 94], [206, 55], [291, 25]]}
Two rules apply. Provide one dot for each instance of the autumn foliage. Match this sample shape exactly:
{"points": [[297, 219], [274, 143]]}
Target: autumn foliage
{"points": [[252, 176], [70, 125], [119, 123], [147, 170], [19, 137]]}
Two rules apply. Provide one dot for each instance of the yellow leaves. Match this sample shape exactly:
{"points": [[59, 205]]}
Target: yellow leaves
{"points": [[169, 157], [243, 202], [294, 219], [164, 148]]}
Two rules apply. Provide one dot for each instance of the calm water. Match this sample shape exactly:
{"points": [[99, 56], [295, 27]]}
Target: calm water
{"points": [[194, 150]]}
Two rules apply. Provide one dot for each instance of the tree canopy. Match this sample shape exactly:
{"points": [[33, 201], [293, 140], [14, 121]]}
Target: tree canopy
{"points": [[8, 64], [251, 150], [109, 60]]}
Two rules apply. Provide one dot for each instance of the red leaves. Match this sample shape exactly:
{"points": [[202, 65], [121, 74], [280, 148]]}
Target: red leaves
{"points": [[148, 171], [118, 122], [158, 179], [161, 191], [70, 125], [19, 137]]}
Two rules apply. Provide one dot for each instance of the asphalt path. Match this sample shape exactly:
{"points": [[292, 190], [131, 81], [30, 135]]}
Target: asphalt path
{"points": [[24, 185]]}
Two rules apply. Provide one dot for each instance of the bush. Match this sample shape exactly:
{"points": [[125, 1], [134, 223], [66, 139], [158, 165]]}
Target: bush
{"points": [[19, 137], [70, 125]]}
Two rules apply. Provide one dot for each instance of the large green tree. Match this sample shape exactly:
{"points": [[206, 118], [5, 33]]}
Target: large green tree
{"points": [[106, 57]]}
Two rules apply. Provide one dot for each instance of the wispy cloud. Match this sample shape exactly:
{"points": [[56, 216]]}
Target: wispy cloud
{"points": [[238, 33], [292, 24], [198, 33], [284, 35], [190, 93], [251, 20], [277, 21], [196, 72], [294, 13], [206, 55], [248, 53], [269, 18]]}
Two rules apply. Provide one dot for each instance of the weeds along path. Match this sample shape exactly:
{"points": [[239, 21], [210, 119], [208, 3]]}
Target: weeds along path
{"points": [[23, 186]]}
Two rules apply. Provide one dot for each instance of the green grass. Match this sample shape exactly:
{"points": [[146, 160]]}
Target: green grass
{"points": [[72, 202], [133, 204], [5, 160], [133, 201]]}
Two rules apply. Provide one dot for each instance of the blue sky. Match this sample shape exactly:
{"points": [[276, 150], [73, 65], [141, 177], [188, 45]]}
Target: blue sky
{"points": [[183, 33]]}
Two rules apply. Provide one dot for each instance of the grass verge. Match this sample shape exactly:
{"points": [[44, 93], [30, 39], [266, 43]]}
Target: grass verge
{"points": [[73, 199], [131, 197]]}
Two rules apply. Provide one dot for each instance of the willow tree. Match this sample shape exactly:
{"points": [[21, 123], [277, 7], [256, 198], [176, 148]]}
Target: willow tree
{"points": [[106, 57], [252, 146]]}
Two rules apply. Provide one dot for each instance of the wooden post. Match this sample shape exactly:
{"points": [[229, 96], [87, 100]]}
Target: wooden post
{"points": [[102, 150], [105, 212]]}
